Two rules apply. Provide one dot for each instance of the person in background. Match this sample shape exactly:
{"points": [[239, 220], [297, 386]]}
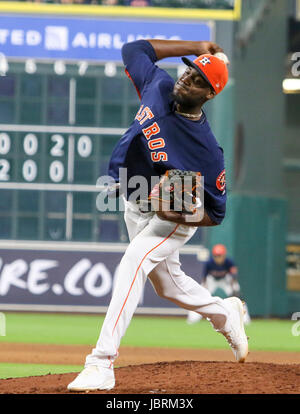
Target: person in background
{"points": [[109, 2], [96, 2], [220, 273], [137, 3]]}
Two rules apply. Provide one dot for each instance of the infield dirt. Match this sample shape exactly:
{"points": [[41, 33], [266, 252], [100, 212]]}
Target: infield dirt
{"points": [[161, 371]]}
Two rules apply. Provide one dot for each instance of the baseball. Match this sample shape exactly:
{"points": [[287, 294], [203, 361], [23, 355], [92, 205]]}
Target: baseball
{"points": [[223, 57]]}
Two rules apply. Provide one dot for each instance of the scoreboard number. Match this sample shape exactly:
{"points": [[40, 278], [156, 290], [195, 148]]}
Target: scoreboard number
{"points": [[84, 146], [57, 149], [30, 144], [29, 170], [4, 143], [56, 171], [4, 170]]}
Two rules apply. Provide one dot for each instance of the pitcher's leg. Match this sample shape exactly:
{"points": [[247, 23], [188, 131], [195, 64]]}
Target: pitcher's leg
{"points": [[226, 315], [123, 304], [157, 241], [172, 283], [106, 349]]}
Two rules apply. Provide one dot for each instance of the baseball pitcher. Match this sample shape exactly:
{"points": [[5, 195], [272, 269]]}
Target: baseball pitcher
{"points": [[170, 134]]}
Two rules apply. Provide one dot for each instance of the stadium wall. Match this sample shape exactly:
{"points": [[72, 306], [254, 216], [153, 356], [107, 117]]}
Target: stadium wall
{"points": [[252, 133]]}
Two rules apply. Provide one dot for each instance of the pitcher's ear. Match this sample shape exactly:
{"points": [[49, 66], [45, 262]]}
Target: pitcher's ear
{"points": [[210, 95]]}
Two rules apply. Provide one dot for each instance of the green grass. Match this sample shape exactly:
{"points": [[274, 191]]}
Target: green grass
{"points": [[172, 332], [27, 370], [52, 328], [144, 331], [267, 335]]}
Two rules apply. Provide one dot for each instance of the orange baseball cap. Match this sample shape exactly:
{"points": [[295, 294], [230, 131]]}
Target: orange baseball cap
{"points": [[219, 250], [212, 69]]}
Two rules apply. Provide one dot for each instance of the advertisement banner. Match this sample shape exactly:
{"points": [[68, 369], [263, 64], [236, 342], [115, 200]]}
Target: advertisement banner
{"points": [[92, 39], [68, 280]]}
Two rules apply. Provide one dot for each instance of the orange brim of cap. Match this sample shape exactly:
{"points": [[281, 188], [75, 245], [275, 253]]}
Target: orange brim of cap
{"points": [[188, 62]]}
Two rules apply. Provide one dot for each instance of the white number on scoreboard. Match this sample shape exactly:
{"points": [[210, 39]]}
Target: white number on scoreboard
{"points": [[84, 146], [56, 171], [29, 170], [30, 144], [57, 149], [4, 143], [4, 170]]}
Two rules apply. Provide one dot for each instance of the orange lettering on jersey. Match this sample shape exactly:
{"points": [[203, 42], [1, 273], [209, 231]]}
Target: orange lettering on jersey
{"points": [[151, 130], [139, 113], [144, 114], [159, 156], [156, 143]]}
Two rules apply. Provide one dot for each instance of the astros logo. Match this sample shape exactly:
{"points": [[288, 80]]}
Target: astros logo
{"points": [[221, 181], [204, 61]]}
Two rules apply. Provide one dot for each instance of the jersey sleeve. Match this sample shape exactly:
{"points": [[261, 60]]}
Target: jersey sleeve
{"points": [[215, 196], [217, 214], [215, 203], [139, 59]]}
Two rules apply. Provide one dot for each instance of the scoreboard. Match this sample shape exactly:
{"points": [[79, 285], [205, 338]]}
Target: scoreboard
{"points": [[56, 157], [48, 183], [57, 133]]}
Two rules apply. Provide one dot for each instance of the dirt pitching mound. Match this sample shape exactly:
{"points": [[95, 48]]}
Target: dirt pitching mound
{"points": [[178, 377]]}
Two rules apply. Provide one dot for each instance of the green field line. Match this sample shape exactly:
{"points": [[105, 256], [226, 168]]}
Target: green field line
{"points": [[10, 370], [167, 332]]}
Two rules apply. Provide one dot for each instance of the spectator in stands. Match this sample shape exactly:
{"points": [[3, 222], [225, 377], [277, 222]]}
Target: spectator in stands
{"points": [[113, 2], [85, 2], [109, 2], [137, 3]]}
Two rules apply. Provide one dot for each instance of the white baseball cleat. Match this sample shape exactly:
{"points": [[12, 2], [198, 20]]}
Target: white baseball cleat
{"points": [[93, 377], [234, 331]]}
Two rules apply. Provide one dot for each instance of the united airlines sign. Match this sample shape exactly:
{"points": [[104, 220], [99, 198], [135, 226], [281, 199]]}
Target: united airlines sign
{"points": [[87, 38]]}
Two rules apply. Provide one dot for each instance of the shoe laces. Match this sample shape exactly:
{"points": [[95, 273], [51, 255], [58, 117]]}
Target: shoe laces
{"points": [[230, 339]]}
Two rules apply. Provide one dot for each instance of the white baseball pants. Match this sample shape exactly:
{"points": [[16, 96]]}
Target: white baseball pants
{"points": [[153, 252], [212, 284]]}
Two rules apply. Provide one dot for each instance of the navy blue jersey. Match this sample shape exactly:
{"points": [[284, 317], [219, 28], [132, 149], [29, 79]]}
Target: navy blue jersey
{"points": [[160, 139], [216, 270]]}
